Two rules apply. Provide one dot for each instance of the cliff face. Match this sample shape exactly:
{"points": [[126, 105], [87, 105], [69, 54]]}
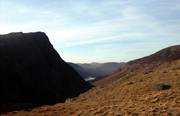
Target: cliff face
{"points": [[33, 72]]}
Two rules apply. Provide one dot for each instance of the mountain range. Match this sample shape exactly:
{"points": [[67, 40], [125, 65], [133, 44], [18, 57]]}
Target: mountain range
{"points": [[95, 71]]}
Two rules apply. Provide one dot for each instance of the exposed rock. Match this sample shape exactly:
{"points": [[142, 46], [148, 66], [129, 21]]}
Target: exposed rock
{"points": [[33, 72], [162, 86]]}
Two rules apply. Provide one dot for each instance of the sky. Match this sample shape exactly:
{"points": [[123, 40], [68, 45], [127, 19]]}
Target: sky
{"points": [[85, 31]]}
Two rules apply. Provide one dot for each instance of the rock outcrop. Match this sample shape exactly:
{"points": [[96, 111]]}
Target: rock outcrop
{"points": [[33, 72]]}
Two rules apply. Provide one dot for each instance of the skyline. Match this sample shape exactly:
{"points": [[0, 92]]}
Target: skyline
{"points": [[86, 31]]}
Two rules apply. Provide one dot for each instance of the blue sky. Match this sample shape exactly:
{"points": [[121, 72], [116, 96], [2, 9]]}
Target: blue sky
{"points": [[97, 30]]}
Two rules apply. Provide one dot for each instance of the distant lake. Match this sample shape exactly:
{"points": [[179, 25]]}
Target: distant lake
{"points": [[90, 78]]}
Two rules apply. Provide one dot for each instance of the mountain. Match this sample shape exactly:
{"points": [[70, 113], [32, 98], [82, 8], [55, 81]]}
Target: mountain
{"points": [[148, 86], [96, 70], [165, 55], [32, 71], [147, 64]]}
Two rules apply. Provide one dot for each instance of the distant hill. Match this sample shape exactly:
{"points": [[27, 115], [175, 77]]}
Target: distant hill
{"points": [[80, 70], [32, 72], [96, 70]]}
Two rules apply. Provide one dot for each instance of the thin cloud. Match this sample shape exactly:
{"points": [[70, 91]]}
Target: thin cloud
{"points": [[71, 24]]}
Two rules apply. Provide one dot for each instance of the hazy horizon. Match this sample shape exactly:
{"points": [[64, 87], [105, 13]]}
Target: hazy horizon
{"points": [[86, 31]]}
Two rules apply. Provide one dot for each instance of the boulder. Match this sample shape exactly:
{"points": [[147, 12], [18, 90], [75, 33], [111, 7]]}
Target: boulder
{"points": [[162, 86]]}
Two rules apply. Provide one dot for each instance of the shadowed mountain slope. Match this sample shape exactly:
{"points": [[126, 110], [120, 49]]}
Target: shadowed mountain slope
{"points": [[85, 74], [33, 72]]}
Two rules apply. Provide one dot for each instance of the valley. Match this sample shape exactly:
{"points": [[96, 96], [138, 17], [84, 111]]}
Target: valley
{"points": [[137, 89]]}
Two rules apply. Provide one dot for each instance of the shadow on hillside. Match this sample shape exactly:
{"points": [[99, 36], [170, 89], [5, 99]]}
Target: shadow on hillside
{"points": [[4, 108]]}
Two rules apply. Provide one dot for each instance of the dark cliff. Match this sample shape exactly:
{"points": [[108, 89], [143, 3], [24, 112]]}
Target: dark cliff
{"points": [[33, 72]]}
